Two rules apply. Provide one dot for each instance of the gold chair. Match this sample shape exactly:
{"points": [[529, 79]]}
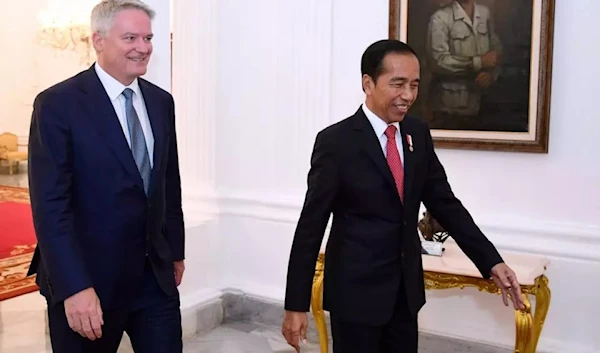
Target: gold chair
{"points": [[9, 150]]}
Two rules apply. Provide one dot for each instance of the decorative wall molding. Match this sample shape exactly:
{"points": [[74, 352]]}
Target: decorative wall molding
{"points": [[200, 297], [194, 82], [247, 92], [549, 238]]}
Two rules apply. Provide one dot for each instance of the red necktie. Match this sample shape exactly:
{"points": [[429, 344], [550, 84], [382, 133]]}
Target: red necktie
{"points": [[394, 161]]}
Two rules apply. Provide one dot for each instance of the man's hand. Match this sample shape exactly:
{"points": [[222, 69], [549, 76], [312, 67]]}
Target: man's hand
{"points": [[84, 313], [294, 328], [484, 79], [506, 280], [489, 59], [179, 268]]}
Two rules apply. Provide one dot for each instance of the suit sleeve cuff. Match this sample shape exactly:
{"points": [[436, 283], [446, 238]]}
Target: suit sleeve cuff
{"points": [[486, 269]]}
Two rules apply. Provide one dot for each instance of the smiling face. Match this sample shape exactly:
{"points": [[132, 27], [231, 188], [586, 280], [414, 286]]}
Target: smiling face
{"points": [[395, 90], [124, 52]]}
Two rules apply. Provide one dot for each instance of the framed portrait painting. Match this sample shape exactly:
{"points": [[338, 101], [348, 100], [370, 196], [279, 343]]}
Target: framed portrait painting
{"points": [[486, 69]]}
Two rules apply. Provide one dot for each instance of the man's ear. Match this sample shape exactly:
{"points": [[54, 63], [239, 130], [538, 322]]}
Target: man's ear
{"points": [[367, 84], [98, 41]]}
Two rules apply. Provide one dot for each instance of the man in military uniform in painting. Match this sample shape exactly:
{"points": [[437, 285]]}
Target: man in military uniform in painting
{"points": [[464, 53]]}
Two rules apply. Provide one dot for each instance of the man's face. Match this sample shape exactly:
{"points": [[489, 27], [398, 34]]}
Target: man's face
{"points": [[125, 51], [396, 88]]}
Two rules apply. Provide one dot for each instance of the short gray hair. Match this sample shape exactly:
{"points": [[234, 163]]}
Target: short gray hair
{"points": [[104, 12]]}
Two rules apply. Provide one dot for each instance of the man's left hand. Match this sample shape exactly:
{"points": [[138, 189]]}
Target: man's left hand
{"points": [[179, 268], [506, 280]]}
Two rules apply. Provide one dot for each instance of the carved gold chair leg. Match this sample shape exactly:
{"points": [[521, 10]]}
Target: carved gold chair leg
{"points": [[316, 304], [542, 304], [524, 324]]}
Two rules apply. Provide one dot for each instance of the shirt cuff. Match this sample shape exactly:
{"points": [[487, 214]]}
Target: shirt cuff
{"points": [[477, 63]]}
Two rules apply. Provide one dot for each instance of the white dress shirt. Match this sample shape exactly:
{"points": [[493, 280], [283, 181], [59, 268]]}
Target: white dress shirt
{"points": [[114, 89], [379, 127]]}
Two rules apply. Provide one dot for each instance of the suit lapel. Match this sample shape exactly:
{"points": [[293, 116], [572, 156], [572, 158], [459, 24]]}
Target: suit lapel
{"points": [[371, 145], [157, 122], [102, 113], [407, 135]]}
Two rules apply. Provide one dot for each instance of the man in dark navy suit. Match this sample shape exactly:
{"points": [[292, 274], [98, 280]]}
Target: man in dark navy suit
{"points": [[106, 196]]}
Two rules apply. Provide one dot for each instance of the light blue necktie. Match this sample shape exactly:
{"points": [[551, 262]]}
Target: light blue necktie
{"points": [[138, 141]]}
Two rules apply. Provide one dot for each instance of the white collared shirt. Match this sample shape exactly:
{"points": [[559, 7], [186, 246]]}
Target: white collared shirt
{"points": [[114, 89], [379, 126]]}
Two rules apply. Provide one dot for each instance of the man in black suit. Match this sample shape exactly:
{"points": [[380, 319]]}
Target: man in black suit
{"points": [[372, 171], [106, 196]]}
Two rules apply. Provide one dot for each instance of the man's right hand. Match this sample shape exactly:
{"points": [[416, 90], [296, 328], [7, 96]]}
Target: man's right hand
{"points": [[84, 313], [294, 328]]}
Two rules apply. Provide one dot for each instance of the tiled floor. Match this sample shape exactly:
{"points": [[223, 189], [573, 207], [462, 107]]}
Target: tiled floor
{"points": [[244, 338], [23, 329], [23, 324]]}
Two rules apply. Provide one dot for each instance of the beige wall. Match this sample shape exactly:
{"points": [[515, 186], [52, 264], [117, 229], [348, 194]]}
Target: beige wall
{"points": [[27, 66]]}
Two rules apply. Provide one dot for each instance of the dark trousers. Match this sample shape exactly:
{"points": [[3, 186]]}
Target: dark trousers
{"points": [[153, 324], [399, 335]]}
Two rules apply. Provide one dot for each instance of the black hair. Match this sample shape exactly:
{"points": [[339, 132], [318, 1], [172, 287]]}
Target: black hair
{"points": [[372, 60]]}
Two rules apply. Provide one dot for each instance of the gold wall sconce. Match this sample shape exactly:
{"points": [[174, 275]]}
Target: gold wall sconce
{"points": [[65, 25]]}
